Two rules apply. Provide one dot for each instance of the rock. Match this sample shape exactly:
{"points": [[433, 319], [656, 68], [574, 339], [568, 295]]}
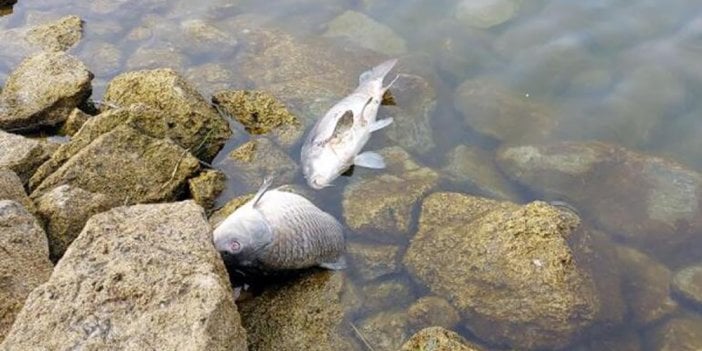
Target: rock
{"points": [[192, 122], [475, 168], [493, 109], [43, 91], [24, 260], [386, 294], [490, 258], [384, 331], [438, 339], [22, 155], [103, 58], [150, 58], [646, 286], [206, 187], [122, 286], [201, 37], [620, 340], [127, 166], [261, 113], [303, 314], [11, 188], [677, 335], [74, 122], [648, 201], [210, 77], [432, 311], [64, 211], [486, 13], [687, 283], [59, 35], [372, 260], [221, 214], [416, 104], [366, 32], [382, 205], [251, 162]]}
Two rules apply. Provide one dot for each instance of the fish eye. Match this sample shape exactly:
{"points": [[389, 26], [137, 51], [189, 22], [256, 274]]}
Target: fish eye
{"points": [[234, 247]]}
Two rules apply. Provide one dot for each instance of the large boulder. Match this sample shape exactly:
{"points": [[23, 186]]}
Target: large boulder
{"points": [[11, 188], [59, 35], [491, 259], [23, 155], [192, 122], [438, 339], [136, 276], [687, 284], [684, 333], [24, 260], [43, 90], [645, 200], [474, 168], [127, 166]]}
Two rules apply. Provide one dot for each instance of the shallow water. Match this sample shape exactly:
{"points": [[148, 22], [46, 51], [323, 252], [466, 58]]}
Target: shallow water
{"points": [[621, 72]]}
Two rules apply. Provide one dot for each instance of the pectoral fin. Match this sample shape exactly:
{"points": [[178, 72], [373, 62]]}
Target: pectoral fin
{"points": [[336, 265], [369, 159], [380, 124]]}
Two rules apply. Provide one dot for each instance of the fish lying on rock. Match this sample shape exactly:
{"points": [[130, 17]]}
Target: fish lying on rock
{"points": [[334, 143], [279, 230]]}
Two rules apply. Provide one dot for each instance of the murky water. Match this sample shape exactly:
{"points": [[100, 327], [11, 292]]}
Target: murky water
{"points": [[495, 73]]}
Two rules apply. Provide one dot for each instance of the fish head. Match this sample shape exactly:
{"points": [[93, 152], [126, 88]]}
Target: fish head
{"points": [[243, 235], [321, 165]]}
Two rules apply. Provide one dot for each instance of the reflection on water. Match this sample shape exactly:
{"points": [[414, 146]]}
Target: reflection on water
{"points": [[481, 76]]}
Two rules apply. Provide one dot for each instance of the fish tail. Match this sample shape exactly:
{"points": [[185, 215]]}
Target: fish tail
{"points": [[378, 72]]}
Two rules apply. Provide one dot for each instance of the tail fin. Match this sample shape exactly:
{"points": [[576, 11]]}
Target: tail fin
{"points": [[377, 72]]}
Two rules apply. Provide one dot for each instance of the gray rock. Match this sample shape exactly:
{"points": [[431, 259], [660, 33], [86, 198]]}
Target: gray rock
{"points": [[366, 32], [372, 260], [416, 104], [486, 13], [473, 167], [386, 294], [22, 155], [201, 37], [11, 188], [64, 211], [679, 334], [384, 331], [24, 260], [431, 311], [74, 122], [50, 33], [382, 205], [148, 58], [687, 283], [438, 339], [257, 159], [210, 77], [626, 340], [122, 286], [103, 58], [529, 267], [59, 35], [43, 90]]}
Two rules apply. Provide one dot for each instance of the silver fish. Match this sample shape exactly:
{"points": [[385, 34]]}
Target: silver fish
{"points": [[279, 230], [334, 143]]}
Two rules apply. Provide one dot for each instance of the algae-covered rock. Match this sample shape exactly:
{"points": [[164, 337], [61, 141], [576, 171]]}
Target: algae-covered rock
{"points": [[210, 77], [438, 339], [384, 331], [222, 213], [11, 188], [415, 99], [382, 204], [43, 90], [495, 110], [127, 166], [64, 210], [649, 201], [366, 32], [74, 122], [22, 155], [303, 314], [687, 284], [206, 187], [678, 334], [261, 113], [473, 167], [202, 37], [59, 35], [491, 258], [135, 276], [192, 123], [486, 13], [386, 294], [432, 311], [372, 260], [257, 159], [24, 260]]}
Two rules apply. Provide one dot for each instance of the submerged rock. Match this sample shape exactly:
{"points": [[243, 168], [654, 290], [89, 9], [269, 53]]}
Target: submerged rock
{"points": [[206, 187], [476, 168], [103, 58], [432, 311], [490, 259], [11, 188], [438, 339], [372, 260], [382, 204], [22, 155], [43, 90], [136, 276], [192, 123], [366, 32], [678, 334], [24, 261], [415, 101], [64, 210], [211, 77], [386, 294], [59, 35], [257, 159], [261, 113], [486, 13], [688, 284], [649, 201]]}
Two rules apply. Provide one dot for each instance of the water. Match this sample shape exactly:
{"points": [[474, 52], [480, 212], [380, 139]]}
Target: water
{"points": [[621, 72]]}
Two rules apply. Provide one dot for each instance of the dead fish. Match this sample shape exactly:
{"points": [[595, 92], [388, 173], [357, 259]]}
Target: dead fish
{"points": [[279, 230], [336, 140]]}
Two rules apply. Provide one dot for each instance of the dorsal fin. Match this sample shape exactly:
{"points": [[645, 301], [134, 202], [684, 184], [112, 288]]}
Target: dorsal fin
{"points": [[262, 190]]}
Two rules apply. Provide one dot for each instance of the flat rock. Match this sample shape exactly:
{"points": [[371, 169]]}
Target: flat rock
{"points": [[127, 166], [366, 32], [59, 35], [415, 99], [43, 90], [486, 13], [24, 260], [11, 188], [192, 123], [431, 311], [687, 284], [678, 334], [438, 339], [22, 155], [206, 187], [122, 286], [257, 159], [648, 201], [382, 204], [64, 211], [372, 260], [491, 258], [476, 168]]}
